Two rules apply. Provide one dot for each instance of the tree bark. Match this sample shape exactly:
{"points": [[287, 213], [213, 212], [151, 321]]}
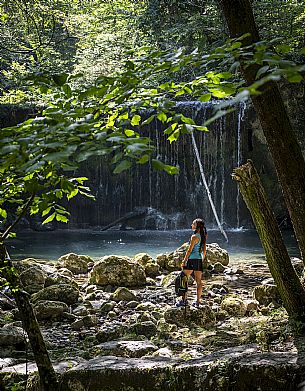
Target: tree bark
{"points": [[285, 277], [46, 371], [285, 150]]}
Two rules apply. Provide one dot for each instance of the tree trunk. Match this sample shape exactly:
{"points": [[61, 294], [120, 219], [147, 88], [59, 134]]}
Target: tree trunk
{"points": [[288, 283], [285, 150], [46, 371]]}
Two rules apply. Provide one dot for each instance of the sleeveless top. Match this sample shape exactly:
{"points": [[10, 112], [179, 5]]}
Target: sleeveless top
{"points": [[195, 254]]}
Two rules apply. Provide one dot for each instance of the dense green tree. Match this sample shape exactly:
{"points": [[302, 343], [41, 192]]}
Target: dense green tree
{"points": [[34, 37], [269, 105]]}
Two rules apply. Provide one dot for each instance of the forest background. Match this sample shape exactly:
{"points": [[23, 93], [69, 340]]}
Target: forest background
{"points": [[93, 37]]}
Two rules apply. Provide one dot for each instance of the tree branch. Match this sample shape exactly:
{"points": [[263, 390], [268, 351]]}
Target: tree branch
{"points": [[23, 212]]}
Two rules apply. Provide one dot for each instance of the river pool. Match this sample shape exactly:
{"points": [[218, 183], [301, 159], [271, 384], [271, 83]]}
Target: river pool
{"points": [[243, 245]]}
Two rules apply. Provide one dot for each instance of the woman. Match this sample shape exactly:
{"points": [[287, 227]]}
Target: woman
{"points": [[193, 259]]}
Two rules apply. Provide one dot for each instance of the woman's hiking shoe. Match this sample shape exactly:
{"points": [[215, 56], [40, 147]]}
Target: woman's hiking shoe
{"points": [[181, 303]]}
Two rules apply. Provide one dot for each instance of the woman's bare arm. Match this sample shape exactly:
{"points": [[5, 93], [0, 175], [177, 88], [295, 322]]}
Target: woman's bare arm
{"points": [[194, 240]]}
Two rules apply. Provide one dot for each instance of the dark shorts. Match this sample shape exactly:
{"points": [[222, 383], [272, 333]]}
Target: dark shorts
{"points": [[194, 264]]}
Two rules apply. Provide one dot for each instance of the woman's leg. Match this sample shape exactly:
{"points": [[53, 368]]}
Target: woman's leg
{"points": [[198, 276]]}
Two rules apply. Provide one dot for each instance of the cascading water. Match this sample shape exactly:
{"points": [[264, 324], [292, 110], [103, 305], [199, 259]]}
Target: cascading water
{"points": [[173, 196], [207, 188], [240, 117]]}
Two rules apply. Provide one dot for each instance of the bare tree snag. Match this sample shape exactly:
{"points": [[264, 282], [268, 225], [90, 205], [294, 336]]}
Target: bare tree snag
{"points": [[285, 150], [288, 283]]}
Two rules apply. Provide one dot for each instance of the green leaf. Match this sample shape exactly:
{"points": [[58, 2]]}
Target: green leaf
{"points": [[81, 179], [124, 165], [283, 48], [170, 129], [172, 170], [174, 136], [144, 159], [67, 90], [218, 93], [8, 149], [61, 218], [187, 120], [162, 117], [202, 128], [261, 71], [72, 194], [295, 78], [157, 164], [136, 119], [117, 157], [224, 75], [179, 93], [129, 132], [60, 78], [148, 120], [49, 219], [234, 66], [3, 213], [205, 97], [124, 115], [46, 211]]}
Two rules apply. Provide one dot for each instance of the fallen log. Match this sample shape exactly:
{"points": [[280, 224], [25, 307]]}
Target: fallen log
{"points": [[141, 212]]}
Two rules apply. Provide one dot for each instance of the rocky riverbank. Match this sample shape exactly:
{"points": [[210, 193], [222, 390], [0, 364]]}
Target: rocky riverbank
{"points": [[113, 324]]}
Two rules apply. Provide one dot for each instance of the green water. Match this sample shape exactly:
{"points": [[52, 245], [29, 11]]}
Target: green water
{"points": [[243, 245]]}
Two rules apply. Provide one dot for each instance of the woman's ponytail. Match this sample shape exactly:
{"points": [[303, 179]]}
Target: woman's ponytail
{"points": [[201, 229]]}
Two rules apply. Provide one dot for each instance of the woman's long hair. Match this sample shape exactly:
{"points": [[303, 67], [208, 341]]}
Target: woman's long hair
{"points": [[201, 229]]}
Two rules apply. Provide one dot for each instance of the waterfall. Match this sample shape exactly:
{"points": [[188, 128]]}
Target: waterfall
{"points": [[222, 197], [207, 188], [240, 117], [183, 195]]}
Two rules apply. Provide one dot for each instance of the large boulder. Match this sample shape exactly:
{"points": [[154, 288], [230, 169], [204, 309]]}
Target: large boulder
{"points": [[65, 293], [238, 368], [46, 309], [126, 348], [216, 254], [143, 259], [151, 267], [169, 279], [117, 271], [173, 260], [147, 328], [124, 294], [234, 305], [77, 264], [266, 294], [11, 335], [57, 278], [32, 275], [198, 316]]}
